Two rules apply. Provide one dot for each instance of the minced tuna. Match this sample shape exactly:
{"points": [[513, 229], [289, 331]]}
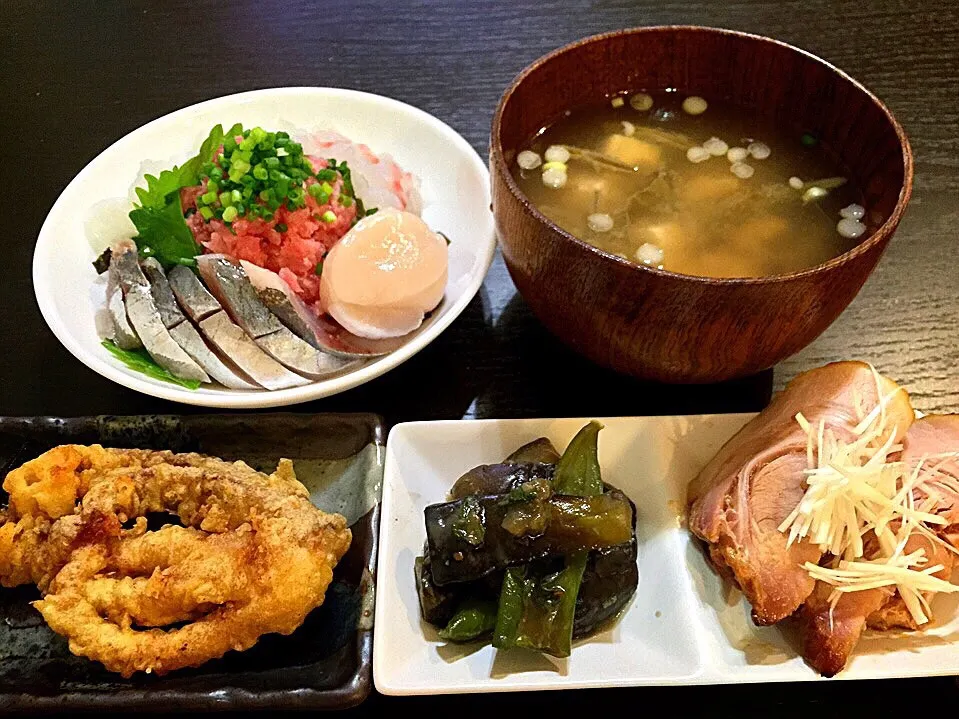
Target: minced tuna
{"points": [[292, 244], [282, 205]]}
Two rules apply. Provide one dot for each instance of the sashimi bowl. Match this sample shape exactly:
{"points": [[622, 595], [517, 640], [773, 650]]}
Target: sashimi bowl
{"points": [[321, 239]]}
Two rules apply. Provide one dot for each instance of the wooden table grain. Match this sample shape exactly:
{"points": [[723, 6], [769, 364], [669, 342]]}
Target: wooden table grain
{"points": [[78, 75]]}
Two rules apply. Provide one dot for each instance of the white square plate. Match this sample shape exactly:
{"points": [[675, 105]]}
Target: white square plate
{"points": [[684, 626]]}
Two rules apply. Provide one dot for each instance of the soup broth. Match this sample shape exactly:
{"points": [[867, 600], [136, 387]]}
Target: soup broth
{"points": [[692, 186]]}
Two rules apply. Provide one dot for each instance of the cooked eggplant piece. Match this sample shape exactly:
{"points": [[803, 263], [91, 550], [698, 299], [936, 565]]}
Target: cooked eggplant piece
{"points": [[499, 478], [572, 524], [536, 548], [609, 582], [437, 604], [539, 451], [536, 606]]}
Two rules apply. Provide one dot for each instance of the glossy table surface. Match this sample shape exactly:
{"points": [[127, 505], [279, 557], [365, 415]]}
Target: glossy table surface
{"points": [[77, 76]]}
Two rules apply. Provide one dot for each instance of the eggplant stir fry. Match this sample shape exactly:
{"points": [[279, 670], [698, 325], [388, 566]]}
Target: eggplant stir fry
{"points": [[533, 552]]}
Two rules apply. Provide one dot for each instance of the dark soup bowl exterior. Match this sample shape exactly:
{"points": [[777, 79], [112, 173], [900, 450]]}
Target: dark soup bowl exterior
{"points": [[670, 327]]}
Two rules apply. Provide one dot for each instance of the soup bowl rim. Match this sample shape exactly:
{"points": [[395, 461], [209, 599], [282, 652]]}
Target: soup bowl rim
{"points": [[882, 233]]}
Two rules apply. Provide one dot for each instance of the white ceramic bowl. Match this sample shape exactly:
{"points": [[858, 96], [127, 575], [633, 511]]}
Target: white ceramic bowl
{"points": [[91, 212]]}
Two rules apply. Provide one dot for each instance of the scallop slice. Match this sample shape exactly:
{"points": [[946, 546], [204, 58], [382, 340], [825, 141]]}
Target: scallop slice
{"points": [[382, 278]]}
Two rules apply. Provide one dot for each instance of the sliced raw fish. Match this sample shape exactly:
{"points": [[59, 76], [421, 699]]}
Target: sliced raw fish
{"points": [[234, 343], [293, 312], [190, 340], [229, 284], [300, 356], [156, 338], [192, 296], [162, 294], [126, 265], [377, 179], [123, 333], [143, 315], [183, 331]]}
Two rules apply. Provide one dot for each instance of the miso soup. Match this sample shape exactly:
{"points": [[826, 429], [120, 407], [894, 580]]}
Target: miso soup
{"points": [[691, 185]]}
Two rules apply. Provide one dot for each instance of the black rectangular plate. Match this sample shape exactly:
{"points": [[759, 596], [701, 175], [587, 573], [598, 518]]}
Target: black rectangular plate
{"points": [[325, 664]]}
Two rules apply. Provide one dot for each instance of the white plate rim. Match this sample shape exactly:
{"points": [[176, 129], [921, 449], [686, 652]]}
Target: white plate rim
{"points": [[261, 399]]}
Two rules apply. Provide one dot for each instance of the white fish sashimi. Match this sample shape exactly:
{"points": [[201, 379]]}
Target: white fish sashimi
{"points": [[377, 180]]}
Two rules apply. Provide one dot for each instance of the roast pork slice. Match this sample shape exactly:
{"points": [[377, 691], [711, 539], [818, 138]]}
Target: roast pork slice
{"points": [[827, 642], [936, 435], [894, 614], [746, 491]]}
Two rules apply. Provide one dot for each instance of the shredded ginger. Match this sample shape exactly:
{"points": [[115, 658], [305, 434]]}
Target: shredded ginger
{"points": [[852, 488]]}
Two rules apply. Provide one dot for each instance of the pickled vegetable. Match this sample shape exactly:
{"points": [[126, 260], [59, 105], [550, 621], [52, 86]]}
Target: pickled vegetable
{"points": [[437, 604], [473, 619], [499, 478], [536, 610], [573, 524], [537, 550], [538, 451]]}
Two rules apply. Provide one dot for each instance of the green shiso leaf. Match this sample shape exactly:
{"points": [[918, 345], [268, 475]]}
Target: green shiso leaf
{"points": [[141, 361], [162, 231]]}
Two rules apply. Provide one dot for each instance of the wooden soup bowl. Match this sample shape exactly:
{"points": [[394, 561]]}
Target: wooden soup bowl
{"points": [[666, 326]]}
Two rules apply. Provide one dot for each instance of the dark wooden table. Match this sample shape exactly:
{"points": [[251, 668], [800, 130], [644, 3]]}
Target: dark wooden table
{"points": [[76, 76]]}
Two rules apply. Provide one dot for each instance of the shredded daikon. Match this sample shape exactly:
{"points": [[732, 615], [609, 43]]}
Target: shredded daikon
{"points": [[854, 487]]}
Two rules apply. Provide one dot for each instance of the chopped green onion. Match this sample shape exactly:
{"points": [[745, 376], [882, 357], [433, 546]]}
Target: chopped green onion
{"points": [[326, 175], [256, 173], [206, 213], [328, 217]]}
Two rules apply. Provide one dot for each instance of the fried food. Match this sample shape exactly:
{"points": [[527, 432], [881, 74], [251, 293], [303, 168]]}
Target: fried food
{"points": [[254, 555]]}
